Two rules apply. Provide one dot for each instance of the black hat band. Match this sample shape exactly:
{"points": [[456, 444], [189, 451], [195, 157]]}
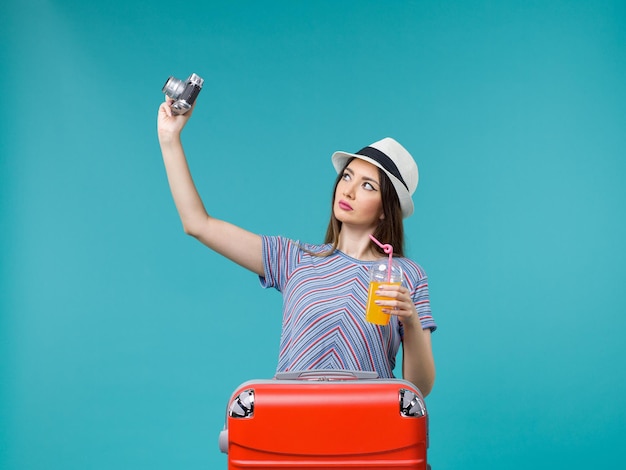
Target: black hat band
{"points": [[386, 162]]}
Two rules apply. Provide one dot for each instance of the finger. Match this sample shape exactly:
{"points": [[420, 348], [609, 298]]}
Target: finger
{"points": [[392, 287], [383, 291], [392, 310], [165, 108], [394, 305]]}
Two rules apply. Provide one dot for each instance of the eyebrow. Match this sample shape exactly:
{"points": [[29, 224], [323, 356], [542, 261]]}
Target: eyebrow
{"points": [[365, 178]]}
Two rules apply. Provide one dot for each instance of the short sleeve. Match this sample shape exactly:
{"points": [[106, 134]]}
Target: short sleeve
{"points": [[277, 252], [421, 299], [417, 282]]}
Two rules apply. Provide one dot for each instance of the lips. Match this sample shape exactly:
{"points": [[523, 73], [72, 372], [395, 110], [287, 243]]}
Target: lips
{"points": [[344, 205]]}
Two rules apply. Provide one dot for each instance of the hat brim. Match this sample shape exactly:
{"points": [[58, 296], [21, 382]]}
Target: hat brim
{"points": [[340, 160]]}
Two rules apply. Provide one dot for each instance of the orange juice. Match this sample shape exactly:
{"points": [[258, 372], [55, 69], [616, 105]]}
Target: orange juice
{"points": [[374, 313]]}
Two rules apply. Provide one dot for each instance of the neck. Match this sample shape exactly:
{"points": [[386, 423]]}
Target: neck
{"points": [[357, 244]]}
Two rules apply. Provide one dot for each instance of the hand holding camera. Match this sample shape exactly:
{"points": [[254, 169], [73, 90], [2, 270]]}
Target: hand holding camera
{"points": [[184, 93]]}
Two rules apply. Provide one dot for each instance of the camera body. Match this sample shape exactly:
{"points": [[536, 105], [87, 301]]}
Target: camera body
{"points": [[183, 92]]}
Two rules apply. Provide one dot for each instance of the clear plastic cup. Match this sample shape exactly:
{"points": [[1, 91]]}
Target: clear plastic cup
{"points": [[379, 274]]}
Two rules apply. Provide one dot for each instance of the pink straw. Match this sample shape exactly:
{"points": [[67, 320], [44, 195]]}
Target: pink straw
{"points": [[387, 249]]}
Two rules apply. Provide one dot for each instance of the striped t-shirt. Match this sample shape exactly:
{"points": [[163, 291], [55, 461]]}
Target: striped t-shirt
{"points": [[324, 300]]}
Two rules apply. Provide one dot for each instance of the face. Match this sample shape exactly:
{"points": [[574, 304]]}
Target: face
{"points": [[358, 198]]}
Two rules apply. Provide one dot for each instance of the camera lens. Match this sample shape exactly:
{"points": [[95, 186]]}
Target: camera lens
{"points": [[173, 87]]}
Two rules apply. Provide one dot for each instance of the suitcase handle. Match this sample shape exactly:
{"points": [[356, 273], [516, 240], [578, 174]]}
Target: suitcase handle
{"points": [[326, 375]]}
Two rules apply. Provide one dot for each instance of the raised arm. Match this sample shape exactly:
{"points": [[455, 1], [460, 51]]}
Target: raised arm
{"points": [[239, 245]]}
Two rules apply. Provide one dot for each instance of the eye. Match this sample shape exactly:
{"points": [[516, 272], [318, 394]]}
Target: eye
{"points": [[368, 186], [345, 176]]}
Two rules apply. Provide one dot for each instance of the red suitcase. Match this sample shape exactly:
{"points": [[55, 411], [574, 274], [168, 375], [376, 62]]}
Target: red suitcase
{"points": [[326, 420]]}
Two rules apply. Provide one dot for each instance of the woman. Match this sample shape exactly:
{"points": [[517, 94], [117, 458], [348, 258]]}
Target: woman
{"points": [[324, 287]]}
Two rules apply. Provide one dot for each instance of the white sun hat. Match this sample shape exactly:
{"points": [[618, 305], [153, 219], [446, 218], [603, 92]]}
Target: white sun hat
{"points": [[391, 157]]}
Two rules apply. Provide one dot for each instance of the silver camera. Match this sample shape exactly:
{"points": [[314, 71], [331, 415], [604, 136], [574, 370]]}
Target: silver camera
{"points": [[183, 92]]}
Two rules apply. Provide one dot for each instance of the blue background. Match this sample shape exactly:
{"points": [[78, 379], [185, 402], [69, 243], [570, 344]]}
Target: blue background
{"points": [[121, 339]]}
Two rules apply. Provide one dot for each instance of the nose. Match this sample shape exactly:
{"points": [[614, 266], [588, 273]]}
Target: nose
{"points": [[348, 190]]}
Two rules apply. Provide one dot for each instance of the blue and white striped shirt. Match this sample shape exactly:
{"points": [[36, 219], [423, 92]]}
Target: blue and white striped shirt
{"points": [[324, 300]]}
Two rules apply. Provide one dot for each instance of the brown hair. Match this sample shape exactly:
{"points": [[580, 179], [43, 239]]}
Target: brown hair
{"points": [[390, 229]]}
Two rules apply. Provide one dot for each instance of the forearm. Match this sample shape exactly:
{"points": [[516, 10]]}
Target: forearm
{"points": [[418, 365], [235, 243], [186, 198]]}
